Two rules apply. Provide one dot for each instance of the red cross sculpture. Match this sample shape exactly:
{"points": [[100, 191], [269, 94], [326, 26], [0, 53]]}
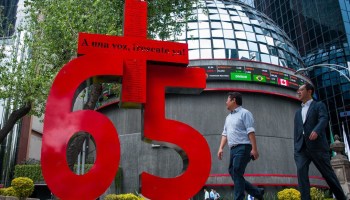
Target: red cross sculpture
{"points": [[147, 68]]}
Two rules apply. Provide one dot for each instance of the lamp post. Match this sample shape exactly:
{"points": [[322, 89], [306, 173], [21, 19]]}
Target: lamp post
{"points": [[330, 66]]}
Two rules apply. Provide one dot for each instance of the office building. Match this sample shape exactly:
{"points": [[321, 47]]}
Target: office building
{"points": [[321, 31]]}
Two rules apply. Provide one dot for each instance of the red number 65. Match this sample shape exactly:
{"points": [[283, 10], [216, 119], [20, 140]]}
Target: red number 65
{"points": [[60, 124]]}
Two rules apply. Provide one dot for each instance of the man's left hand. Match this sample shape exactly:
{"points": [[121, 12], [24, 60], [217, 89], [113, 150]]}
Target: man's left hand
{"points": [[313, 135], [255, 154]]}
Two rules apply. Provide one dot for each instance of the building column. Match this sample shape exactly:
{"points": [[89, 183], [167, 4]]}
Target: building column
{"points": [[341, 165]]}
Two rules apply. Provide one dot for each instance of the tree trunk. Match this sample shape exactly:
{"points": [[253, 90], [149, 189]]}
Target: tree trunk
{"points": [[12, 120], [76, 143]]}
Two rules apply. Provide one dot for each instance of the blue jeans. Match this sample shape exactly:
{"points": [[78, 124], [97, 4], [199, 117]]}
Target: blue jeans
{"points": [[239, 159]]}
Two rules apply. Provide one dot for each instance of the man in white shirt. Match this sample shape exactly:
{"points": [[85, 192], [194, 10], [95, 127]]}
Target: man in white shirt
{"points": [[239, 134], [206, 194]]}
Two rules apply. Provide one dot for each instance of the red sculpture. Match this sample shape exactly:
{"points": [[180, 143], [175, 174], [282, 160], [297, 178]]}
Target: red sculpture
{"points": [[128, 57]]}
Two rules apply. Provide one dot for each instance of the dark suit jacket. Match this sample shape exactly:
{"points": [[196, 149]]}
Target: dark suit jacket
{"points": [[316, 120]]}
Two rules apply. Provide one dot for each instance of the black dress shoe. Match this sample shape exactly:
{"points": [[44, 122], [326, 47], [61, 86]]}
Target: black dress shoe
{"points": [[262, 192]]}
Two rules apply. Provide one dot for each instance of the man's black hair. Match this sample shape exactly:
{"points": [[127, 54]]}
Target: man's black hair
{"points": [[237, 96], [308, 86]]}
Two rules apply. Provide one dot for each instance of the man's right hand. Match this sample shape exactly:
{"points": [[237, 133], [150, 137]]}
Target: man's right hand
{"points": [[220, 154]]}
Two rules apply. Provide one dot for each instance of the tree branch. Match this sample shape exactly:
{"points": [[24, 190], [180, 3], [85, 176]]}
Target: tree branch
{"points": [[12, 120], [76, 143]]}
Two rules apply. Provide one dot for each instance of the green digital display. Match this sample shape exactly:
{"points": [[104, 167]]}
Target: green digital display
{"points": [[240, 76]]}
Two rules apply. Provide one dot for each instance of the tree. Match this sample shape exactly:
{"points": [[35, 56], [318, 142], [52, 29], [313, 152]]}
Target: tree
{"points": [[47, 40]]}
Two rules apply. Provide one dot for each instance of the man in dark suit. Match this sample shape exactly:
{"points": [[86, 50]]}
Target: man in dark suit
{"points": [[310, 143]]}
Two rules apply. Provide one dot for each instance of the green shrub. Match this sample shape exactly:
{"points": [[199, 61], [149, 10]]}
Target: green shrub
{"points": [[34, 171], [23, 186], [9, 191], [111, 197], [316, 194], [31, 171], [2, 190], [128, 196], [288, 194]]}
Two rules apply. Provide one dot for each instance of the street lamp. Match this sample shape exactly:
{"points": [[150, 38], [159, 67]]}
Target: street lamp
{"points": [[330, 66]]}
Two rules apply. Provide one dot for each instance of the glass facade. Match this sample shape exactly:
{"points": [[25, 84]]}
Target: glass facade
{"points": [[12, 11], [227, 30], [320, 30], [8, 10]]}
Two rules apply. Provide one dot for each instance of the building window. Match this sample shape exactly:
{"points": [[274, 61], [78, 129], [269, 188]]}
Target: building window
{"points": [[8, 10]]}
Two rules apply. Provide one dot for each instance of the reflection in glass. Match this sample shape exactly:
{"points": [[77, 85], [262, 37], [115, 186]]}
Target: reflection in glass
{"points": [[212, 10], [192, 25], [245, 20], [230, 44], [217, 33], [283, 63], [193, 44], [219, 53], [214, 17], [242, 44], [236, 18], [274, 60], [263, 48], [269, 41], [202, 16], [205, 43], [181, 36], [226, 25], [232, 12], [231, 53], [193, 54], [243, 55], [225, 18], [253, 46], [261, 38], [240, 35], [251, 36], [248, 28], [215, 25], [238, 27], [203, 25], [258, 30], [238, 7], [192, 34], [254, 21], [206, 54], [218, 43], [241, 13], [222, 11], [228, 34], [265, 58], [204, 33]]}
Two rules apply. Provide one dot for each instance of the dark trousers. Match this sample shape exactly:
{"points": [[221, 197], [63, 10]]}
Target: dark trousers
{"points": [[239, 159], [322, 163]]}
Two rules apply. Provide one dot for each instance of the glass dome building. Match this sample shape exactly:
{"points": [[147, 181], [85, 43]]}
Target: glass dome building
{"points": [[227, 30], [241, 50]]}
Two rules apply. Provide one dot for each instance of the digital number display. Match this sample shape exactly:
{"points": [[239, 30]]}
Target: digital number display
{"points": [[252, 74]]}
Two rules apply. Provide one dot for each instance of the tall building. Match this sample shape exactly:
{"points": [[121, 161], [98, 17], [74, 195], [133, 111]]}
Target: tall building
{"points": [[320, 29], [8, 9], [12, 11]]}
